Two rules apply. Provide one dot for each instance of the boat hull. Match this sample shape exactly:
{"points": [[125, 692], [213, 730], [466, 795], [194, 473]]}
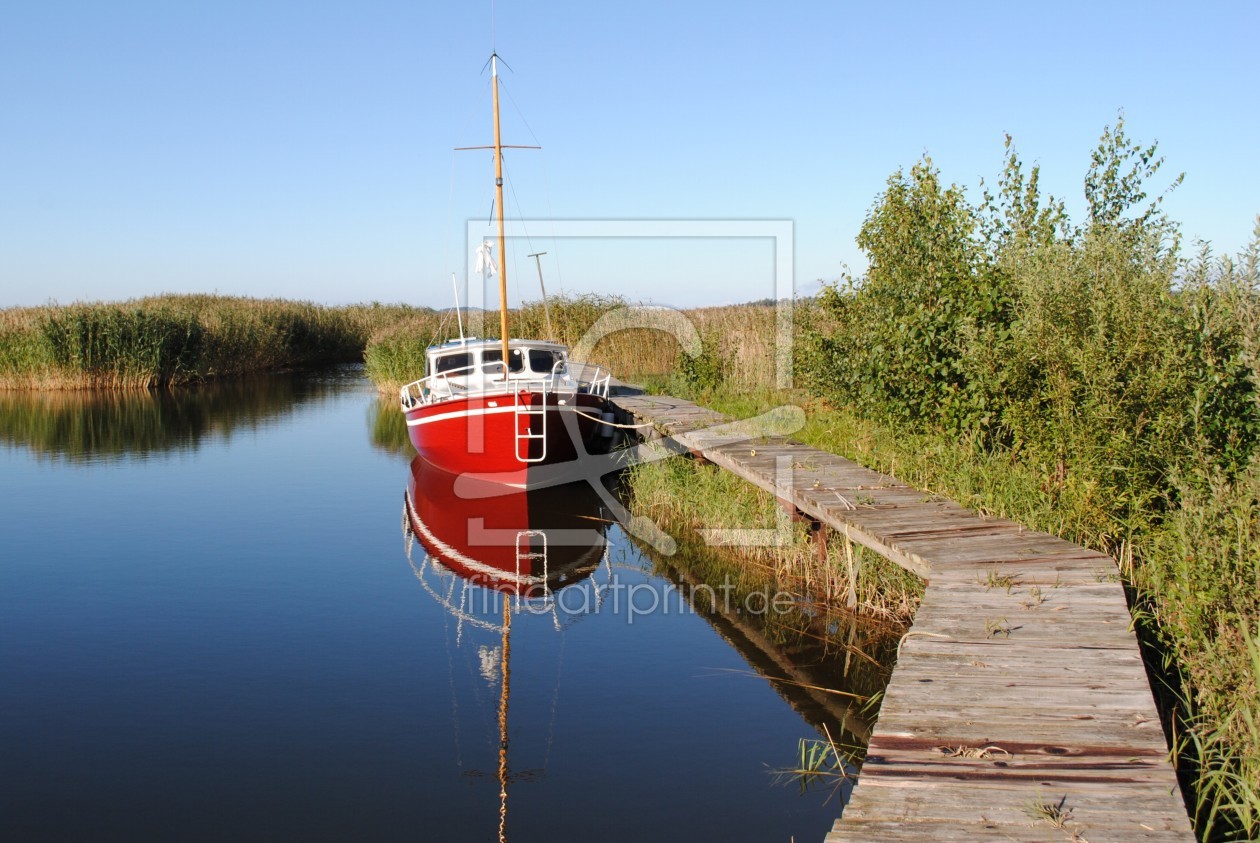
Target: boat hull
{"points": [[502, 437]]}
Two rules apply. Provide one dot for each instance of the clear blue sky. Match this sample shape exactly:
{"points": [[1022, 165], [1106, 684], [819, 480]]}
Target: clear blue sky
{"points": [[303, 149]]}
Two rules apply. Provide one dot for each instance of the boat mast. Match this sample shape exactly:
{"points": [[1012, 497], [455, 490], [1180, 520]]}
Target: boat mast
{"points": [[498, 191]]}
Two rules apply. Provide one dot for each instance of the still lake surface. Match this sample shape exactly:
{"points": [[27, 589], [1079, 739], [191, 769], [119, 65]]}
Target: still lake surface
{"points": [[214, 625]]}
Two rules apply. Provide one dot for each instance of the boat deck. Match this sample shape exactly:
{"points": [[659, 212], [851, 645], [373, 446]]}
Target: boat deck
{"points": [[1019, 708]]}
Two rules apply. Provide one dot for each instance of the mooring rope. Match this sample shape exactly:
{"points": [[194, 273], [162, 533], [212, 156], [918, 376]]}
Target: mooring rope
{"points": [[612, 424]]}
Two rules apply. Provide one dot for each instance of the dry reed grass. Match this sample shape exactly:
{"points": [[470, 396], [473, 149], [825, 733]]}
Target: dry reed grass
{"points": [[738, 341]]}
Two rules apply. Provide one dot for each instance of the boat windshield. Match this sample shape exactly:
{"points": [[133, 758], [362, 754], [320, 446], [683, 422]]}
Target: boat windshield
{"points": [[453, 362], [543, 361], [516, 362]]}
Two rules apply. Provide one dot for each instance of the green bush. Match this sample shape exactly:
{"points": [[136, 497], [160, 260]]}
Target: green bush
{"points": [[706, 370]]}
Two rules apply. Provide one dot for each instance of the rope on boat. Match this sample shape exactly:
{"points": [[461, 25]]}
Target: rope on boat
{"points": [[612, 424]]}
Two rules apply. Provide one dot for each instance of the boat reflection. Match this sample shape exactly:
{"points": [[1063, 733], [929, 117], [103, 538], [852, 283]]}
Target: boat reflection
{"points": [[515, 550], [525, 544]]}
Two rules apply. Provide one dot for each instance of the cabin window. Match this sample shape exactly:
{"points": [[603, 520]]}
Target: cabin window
{"points": [[453, 362], [516, 361], [541, 360]]}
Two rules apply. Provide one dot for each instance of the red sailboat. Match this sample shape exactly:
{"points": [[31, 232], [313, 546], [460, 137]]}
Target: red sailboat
{"points": [[496, 408]]}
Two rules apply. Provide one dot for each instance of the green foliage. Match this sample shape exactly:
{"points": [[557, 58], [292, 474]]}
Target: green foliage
{"points": [[125, 344], [1019, 218], [1119, 176], [706, 370], [1083, 351], [901, 344], [1116, 371]]}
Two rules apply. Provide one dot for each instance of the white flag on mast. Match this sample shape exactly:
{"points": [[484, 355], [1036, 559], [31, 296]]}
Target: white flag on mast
{"points": [[485, 260]]}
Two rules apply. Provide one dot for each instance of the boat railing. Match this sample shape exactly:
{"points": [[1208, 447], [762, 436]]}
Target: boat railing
{"points": [[443, 385], [592, 378]]}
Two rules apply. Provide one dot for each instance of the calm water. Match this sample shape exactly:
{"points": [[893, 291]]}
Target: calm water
{"points": [[213, 626]]}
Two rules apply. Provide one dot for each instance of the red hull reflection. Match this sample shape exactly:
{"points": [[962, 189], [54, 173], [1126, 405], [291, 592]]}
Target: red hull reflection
{"points": [[528, 544]]}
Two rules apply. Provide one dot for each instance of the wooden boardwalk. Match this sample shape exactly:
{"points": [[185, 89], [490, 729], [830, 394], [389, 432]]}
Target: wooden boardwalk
{"points": [[1019, 708]]}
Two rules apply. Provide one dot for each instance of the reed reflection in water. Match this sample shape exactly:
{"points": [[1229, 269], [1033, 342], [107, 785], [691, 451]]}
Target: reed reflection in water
{"points": [[92, 425]]}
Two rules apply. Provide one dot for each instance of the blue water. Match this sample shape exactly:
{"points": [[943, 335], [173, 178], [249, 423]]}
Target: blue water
{"points": [[212, 631]]}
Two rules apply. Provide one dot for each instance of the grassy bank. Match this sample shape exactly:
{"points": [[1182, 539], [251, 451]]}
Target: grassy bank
{"points": [[838, 619], [1193, 575], [782, 610], [178, 339], [687, 498]]}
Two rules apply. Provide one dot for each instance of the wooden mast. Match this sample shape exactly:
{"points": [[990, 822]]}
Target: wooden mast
{"points": [[498, 191]]}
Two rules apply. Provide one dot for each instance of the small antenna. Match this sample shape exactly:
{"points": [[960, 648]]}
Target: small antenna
{"points": [[537, 256]]}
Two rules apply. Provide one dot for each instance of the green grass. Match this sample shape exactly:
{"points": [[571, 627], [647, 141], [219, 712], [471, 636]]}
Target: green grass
{"points": [[687, 497]]}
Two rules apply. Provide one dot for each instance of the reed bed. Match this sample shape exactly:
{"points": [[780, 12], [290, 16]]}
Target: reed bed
{"points": [[394, 353], [736, 343], [170, 340], [731, 345]]}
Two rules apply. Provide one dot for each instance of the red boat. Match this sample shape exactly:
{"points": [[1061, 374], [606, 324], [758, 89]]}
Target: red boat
{"points": [[494, 408], [473, 414]]}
